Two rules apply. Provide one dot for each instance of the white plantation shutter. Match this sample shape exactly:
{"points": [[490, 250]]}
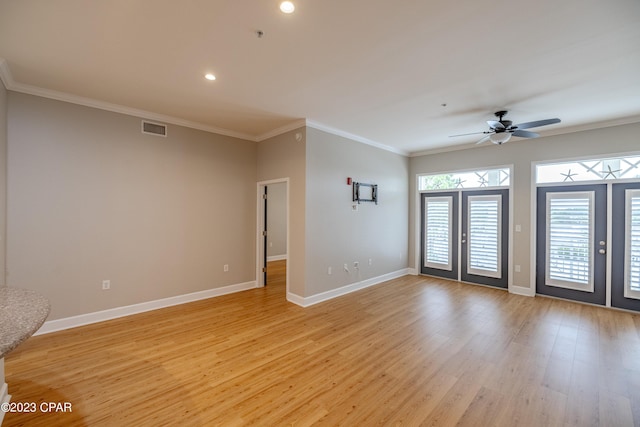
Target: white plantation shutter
{"points": [[484, 239], [570, 223], [632, 250], [437, 235]]}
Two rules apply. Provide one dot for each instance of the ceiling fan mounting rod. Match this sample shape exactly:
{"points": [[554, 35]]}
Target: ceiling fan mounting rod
{"points": [[501, 113]]}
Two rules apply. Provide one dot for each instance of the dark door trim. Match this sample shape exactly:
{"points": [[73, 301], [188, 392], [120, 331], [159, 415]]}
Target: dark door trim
{"points": [[265, 239]]}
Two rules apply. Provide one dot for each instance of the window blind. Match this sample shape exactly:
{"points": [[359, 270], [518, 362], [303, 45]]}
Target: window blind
{"points": [[632, 263], [484, 234], [438, 232], [569, 236]]}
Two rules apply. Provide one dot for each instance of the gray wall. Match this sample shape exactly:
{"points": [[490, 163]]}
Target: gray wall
{"points": [[91, 198], [521, 154], [3, 181], [283, 156], [337, 235], [277, 220]]}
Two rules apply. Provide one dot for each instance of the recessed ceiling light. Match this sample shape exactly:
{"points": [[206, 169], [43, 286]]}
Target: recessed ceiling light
{"points": [[287, 7], [209, 76]]}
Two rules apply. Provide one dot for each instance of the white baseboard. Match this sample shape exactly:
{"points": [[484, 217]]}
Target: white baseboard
{"points": [[413, 272], [296, 299], [276, 258], [519, 290], [334, 293], [114, 313]]}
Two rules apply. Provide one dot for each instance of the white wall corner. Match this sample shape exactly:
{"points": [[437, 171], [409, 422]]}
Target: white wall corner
{"points": [[296, 299], [5, 74], [413, 272], [114, 313], [334, 293]]}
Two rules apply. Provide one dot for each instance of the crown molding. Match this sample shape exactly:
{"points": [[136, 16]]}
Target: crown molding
{"points": [[357, 138], [282, 129], [12, 85], [547, 133]]}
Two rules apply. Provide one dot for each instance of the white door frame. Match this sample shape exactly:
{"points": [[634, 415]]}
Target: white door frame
{"points": [[260, 226]]}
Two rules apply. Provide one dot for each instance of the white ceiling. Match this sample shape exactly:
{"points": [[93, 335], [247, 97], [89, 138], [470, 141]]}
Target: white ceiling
{"points": [[377, 70]]}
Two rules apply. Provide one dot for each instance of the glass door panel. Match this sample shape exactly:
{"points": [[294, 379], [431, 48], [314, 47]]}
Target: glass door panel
{"points": [[569, 256], [484, 219], [439, 234]]}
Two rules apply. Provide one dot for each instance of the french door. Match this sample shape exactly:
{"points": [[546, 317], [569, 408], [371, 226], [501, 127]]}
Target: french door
{"points": [[572, 243], [464, 236], [625, 247]]}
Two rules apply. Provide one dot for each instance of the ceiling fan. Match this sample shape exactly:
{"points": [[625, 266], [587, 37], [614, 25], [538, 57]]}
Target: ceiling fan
{"points": [[502, 130]]}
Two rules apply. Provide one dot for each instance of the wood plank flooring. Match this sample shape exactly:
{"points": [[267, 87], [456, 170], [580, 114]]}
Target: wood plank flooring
{"points": [[412, 351]]}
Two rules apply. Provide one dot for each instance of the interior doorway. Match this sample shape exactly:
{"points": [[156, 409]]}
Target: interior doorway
{"points": [[272, 234]]}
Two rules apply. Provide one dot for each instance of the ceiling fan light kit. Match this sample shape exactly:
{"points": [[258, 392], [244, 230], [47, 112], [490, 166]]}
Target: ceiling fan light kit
{"points": [[501, 130], [500, 138]]}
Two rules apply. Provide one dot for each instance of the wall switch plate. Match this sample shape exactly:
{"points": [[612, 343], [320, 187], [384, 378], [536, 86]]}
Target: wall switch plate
{"points": [[518, 228], [517, 268], [225, 267], [329, 271], [106, 285]]}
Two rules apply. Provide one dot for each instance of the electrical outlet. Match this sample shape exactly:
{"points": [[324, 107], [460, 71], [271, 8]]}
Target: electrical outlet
{"points": [[106, 285], [517, 268], [356, 265], [225, 267], [329, 271], [370, 261]]}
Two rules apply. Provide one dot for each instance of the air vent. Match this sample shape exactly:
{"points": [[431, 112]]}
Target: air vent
{"points": [[154, 128]]}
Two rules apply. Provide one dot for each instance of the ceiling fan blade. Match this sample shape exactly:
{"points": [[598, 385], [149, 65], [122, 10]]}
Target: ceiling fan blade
{"points": [[465, 134], [525, 134], [529, 125], [483, 139], [494, 124]]}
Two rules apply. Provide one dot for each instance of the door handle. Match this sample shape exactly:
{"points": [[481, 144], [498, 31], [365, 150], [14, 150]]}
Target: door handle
{"points": [[602, 250]]}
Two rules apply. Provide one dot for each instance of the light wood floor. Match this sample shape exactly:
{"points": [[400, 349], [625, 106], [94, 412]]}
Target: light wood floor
{"points": [[412, 351]]}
